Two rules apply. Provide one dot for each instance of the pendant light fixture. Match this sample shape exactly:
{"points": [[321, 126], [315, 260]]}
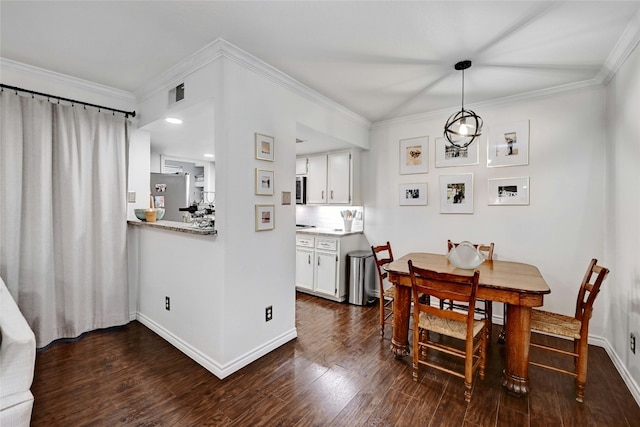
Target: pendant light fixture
{"points": [[465, 126]]}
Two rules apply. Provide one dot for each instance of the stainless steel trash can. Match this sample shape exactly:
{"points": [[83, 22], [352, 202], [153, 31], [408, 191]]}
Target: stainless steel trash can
{"points": [[361, 277]]}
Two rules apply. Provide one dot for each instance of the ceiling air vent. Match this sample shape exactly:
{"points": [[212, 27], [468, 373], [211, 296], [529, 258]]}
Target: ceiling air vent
{"points": [[176, 94]]}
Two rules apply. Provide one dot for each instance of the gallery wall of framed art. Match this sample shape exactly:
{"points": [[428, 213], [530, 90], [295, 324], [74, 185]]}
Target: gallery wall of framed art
{"points": [[506, 145]]}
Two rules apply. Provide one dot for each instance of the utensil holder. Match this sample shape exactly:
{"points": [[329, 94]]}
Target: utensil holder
{"points": [[347, 224], [150, 215]]}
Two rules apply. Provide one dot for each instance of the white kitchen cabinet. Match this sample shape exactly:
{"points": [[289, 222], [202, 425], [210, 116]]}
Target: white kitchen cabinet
{"points": [[332, 178], [326, 269], [321, 264], [302, 166], [305, 265], [339, 178], [317, 180]]}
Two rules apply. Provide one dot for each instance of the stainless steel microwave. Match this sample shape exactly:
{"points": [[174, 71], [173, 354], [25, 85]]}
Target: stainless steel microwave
{"points": [[301, 190]]}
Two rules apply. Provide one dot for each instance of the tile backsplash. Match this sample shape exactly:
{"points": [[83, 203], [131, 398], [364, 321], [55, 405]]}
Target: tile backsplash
{"points": [[329, 216]]}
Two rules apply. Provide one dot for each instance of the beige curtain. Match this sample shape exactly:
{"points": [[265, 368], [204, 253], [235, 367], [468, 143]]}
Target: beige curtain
{"points": [[63, 215]]}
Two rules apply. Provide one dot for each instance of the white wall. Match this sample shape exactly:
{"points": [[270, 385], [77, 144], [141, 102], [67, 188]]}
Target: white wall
{"points": [[251, 270], [622, 290], [559, 232]]}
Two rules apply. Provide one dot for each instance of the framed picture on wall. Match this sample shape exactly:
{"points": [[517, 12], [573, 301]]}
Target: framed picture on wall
{"points": [[414, 155], [508, 191], [456, 194], [413, 194], [508, 145], [448, 155], [264, 147], [265, 217], [264, 182]]}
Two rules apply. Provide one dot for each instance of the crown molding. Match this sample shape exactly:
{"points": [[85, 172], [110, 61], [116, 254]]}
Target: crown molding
{"points": [[621, 51], [221, 48], [41, 73], [179, 71]]}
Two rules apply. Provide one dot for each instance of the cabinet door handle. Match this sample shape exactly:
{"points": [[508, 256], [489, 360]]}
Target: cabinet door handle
{"points": [[318, 260], [309, 256], [322, 198], [331, 194]]}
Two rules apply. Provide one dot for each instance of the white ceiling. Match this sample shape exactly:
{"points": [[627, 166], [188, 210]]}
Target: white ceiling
{"points": [[380, 59]]}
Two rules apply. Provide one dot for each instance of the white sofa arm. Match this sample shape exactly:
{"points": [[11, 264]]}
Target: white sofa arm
{"points": [[17, 361]]}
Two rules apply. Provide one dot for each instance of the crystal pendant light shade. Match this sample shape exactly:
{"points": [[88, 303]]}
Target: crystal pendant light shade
{"points": [[464, 126]]}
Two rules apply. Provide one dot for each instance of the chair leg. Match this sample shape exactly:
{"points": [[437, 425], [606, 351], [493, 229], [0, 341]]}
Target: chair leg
{"points": [[424, 337], [582, 347], [488, 308], [467, 391], [483, 354], [503, 333], [381, 316], [417, 334]]}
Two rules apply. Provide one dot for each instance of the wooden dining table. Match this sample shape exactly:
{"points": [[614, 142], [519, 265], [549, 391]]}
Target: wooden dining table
{"points": [[520, 286]]}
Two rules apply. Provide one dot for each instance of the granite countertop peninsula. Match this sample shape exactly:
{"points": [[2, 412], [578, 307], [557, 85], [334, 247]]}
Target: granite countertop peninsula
{"points": [[181, 227], [334, 232]]}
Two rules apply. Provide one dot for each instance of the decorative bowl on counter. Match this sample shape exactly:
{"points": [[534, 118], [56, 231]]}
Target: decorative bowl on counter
{"points": [[140, 213]]}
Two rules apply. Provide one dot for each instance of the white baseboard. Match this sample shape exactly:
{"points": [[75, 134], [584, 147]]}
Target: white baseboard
{"points": [[632, 385], [216, 368]]}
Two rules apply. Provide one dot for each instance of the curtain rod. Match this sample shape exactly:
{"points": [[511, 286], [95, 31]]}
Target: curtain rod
{"points": [[72, 101]]}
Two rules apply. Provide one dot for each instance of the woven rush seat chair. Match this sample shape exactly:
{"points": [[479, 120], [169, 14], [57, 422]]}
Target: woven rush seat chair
{"points": [[485, 307], [453, 323], [383, 255], [575, 328]]}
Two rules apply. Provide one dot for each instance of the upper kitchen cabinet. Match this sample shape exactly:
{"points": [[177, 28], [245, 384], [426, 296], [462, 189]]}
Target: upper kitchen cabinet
{"points": [[333, 178], [331, 165], [302, 166]]}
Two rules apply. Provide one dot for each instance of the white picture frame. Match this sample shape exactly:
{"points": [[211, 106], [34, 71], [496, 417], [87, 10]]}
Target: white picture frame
{"points": [[414, 155], [508, 144], [448, 155], [456, 194], [264, 182], [265, 217], [508, 191], [413, 194], [265, 145]]}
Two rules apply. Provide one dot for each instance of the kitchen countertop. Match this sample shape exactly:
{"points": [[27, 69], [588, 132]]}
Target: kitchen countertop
{"points": [[182, 227], [326, 231]]}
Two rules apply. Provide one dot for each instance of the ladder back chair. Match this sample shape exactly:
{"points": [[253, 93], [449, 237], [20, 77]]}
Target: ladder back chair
{"points": [[383, 255], [575, 328], [485, 308], [463, 326]]}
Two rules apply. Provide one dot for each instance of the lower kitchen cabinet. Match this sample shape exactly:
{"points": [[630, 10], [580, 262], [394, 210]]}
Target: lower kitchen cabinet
{"points": [[326, 273], [321, 264], [304, 268]]}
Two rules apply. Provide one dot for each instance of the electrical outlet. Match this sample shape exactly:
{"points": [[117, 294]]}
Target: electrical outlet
{"points": [[167, 303], [632, 343], [268, 313]]}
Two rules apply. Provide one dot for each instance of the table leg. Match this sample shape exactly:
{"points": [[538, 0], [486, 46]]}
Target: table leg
{"points": [[516, 373], [401, 312]]}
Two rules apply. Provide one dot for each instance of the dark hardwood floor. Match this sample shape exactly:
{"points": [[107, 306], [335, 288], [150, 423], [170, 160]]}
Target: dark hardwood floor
{"points": [[338, 372]]}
